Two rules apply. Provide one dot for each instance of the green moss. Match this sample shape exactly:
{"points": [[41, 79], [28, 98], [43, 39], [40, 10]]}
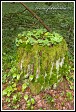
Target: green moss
{"points": [[43, 58], [35, 87]]}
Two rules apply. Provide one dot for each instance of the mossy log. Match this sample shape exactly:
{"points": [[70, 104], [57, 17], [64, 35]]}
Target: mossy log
{"points": [[46, 64]]}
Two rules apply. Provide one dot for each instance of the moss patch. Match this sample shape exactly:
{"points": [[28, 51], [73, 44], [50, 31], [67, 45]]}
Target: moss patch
{"points": [[45, 63], [35, 88]]}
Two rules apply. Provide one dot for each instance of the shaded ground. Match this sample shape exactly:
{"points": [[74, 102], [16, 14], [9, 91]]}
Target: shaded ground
{"points": [[51, 99]]}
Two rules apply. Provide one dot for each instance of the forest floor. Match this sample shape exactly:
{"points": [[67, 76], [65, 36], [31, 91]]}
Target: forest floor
{"points": [[61, 98]]}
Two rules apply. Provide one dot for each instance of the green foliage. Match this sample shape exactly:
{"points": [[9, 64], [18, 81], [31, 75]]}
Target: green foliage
{"points": [[31, 77], [15, 106], [14, 84], [18, 76], [28, 104], [26, 97], [70, 78], [32, 100], [14, 74], [56, 38], [13, 69], [69, 95], [8, 100], [32, 107], [24, 86], [40, 108], [18, 42], [48, 98], [71, 87], [16, 97], [70, 56], [8, 91], [9, 105], [4, 78], [38, 36], [71, 81]]}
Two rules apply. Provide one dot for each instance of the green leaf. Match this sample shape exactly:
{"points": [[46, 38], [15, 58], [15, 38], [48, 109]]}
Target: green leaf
{"points": [[55, 38], [71, 87], [4, 92], [7, 99], [40, 41], [46, 42], [28, 103], [20, 41], [13, 69], [8, 91], [69, 95], [14, 75], [8, 94], [32, 107], [14, 98], [19, 35], [18, 95], [14, 85], [18, 77], [26, 97], [32, 101], [31, 77], [14, 88], [24, 86]]}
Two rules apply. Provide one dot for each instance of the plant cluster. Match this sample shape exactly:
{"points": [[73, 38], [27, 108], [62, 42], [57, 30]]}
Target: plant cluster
{"points": [[38, 36], [16, 97], [69, 95], [30, 101]]}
